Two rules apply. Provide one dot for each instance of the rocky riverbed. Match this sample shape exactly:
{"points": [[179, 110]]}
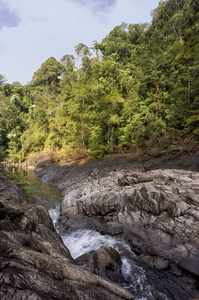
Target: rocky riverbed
{"points": [[153, 202], [34, 262]]}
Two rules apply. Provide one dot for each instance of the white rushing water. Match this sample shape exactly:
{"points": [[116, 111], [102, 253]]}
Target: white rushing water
{"points": [[54, 213], [83, 241]]}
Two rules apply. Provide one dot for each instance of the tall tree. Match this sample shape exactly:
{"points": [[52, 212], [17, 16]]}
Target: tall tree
{"points": [[49, 73]]}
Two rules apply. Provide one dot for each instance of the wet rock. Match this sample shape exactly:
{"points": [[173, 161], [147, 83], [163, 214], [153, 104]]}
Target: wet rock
{"points": [[105, 262], [34, 262], [154, 262]]}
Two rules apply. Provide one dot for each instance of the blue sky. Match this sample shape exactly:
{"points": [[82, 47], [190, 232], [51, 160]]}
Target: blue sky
{"points": [[31, 31]]}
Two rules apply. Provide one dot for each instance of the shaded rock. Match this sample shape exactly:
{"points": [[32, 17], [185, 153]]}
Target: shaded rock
{"points": [[34, 262], [154, 262], [105, 262]]}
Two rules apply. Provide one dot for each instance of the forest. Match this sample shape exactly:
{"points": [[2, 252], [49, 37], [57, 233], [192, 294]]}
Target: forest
{"points": [[137, 88]]}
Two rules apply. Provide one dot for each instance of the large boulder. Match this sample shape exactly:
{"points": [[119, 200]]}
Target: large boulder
{"points": [[34, 262]]}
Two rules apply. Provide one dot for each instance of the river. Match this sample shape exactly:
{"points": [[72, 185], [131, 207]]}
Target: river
{"points": [[143, 283]]}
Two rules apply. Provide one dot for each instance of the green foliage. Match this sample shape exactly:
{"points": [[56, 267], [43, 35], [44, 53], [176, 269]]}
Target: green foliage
{"points": [[49, 73], [142, 83], [142, 127], [2, 153], [24, 185], [97, 152], [121, 41], [192, 124], [1, 222]]}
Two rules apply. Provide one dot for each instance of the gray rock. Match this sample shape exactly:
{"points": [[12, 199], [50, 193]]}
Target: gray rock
{"points": [[34, 262], [153, 202], [158, 212]]}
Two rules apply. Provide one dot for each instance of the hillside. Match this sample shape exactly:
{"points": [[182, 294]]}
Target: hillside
{"points": [[136, 89]]}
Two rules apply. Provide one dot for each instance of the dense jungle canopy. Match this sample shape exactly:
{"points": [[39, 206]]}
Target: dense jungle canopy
{"points": [[139, 84]]}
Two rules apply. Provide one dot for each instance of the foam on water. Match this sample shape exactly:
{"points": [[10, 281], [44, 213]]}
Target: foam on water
{"points": [[83, 241]]}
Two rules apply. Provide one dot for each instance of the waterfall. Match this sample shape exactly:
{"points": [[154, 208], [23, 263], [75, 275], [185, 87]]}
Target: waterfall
{"points": [[54, 213]]}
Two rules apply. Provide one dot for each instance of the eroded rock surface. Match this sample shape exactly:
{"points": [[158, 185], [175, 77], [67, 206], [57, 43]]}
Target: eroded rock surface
{"points": [[34, 263], [153, 202], [158, 211]]}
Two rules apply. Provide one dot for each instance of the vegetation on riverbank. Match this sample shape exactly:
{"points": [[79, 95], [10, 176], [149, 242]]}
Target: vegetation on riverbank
{"points": [[23, 184], [138, 88]]}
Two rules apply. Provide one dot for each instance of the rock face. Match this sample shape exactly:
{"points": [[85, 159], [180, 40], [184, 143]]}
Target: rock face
{"points": [[157, 211], [153, 203], [34, 263]]}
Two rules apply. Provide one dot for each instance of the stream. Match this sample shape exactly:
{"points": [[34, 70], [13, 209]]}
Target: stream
{"points": [[143, 283]]}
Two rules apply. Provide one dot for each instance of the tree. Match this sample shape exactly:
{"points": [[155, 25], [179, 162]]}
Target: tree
{"points": [[49, 73], [68, 61], [83, 51], [121, 41], [143, 80], [2, 81]]}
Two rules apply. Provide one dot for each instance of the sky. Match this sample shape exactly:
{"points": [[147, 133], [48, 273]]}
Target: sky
{"points": [[31, 31]]}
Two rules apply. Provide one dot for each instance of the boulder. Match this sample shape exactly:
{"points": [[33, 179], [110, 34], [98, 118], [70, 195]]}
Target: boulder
{"points": [[105, 262]]}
